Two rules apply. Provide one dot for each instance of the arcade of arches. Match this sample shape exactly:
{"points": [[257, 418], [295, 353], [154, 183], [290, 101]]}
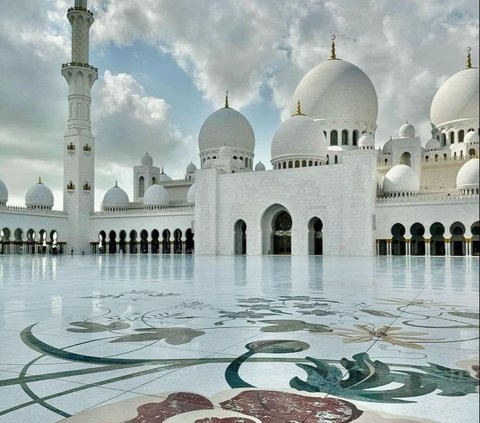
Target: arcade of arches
{"points": [[155, 242], [441, 241], [30, 242]]}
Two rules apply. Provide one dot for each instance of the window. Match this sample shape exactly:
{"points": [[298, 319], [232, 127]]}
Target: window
{"points": [[444, 139], [304, 163], [344, 137], [452, 137], [297, 163], [333, 138], [141, 186], [355, 137], [461, 135]]}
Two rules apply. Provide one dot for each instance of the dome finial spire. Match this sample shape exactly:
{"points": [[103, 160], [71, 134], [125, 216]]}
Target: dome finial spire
{"points": [[299, 109], [469, 58], [333, 55], [226, 99], [116, 183], [39, 179]]}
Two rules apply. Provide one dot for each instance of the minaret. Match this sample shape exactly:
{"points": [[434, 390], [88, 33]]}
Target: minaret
{"points": [[79, 144]]}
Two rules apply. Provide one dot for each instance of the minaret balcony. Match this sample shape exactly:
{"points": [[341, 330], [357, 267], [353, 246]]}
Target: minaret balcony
{"points": [[86, 187], [80, 9], [79, 64], [70, 186], [87, 148], [71, 147]]}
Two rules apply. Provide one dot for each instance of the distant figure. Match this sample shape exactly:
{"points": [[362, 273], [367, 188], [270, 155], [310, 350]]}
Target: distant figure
{"points": [[83, 252], [71, 252]]}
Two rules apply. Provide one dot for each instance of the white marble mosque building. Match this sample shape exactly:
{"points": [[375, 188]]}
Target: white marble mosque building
{"points": [[331, 190]]}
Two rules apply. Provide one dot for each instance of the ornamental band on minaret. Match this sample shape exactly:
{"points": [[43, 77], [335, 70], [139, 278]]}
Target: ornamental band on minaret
{"points": [[79, 144]]}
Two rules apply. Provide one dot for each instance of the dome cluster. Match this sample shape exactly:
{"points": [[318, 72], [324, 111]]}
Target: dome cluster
{"points": [[3, 194]]}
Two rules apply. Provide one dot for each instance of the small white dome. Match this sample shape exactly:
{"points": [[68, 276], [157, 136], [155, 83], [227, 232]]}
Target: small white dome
{"points": [[471, 138], [337, 89], [227, 127], [147, 160], [432, 144], [3, 193], [225, 152], [259, 167], [407, 130], [191, 168], [299, 137], [164, 177], [191, 194], [468, 175], [115, 198], [457, 98], [366, 141], [401, 179], [39, 196], [155, 195]]}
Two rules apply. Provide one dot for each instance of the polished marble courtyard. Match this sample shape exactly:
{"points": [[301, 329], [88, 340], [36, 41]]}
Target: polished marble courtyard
{"points": [[238, 339]]}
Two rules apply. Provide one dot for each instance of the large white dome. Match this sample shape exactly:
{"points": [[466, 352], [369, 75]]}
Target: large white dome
{"points": [[299, 137], [39, 196], [468, 175], [155, 195], [227, 127], [401, 179], [337, 89], [3, 193], [115, 198], [456, 99]]}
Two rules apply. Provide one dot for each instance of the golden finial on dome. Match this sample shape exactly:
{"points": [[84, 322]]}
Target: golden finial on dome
{"points": [[299, 109], [469, 58], [332, 51], [226, 99]]}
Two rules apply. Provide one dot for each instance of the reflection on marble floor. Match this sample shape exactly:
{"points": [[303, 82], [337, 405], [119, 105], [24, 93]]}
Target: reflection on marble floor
{"points": [[235, 339]]}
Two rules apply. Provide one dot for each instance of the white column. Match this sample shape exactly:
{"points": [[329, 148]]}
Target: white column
{"points": [[447, 247], [407, 247], [427, 247]]}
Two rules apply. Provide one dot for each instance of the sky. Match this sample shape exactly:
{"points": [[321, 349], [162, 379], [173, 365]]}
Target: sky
{"points": [[164, 66]]}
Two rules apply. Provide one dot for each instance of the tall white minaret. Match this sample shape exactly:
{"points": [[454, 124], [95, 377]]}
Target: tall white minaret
{"points": [[79, 144]]}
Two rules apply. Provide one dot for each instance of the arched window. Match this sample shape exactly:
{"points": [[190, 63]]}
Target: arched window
{"points": [[355, 137], [297, 163], [154, 180], [309, 162], [141, 186], [452, 137], [471, 152], [290, 164], [426, 158], [304, 163], [336, 159], [344, 137], [461, 135], [444, 139], [333, 138], [406, 158], [284, 165]]}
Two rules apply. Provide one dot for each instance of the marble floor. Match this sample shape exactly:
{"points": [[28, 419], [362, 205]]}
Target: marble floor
{"points": [[238, 339]]}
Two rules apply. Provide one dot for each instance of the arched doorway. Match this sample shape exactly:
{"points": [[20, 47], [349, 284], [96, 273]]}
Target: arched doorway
{"points": [[475, 239], [437, 241], [177, 241], [5, 241], [101, 242], [457, 230], [417, 244], [282, 233], [123, 242], [240, 237], [406, 159], [133, 242], [315, 237], [155, 242], [112, 243], [144, 242], [166, 241], [398, 240], [31, 241], [43, 240], [189, 242], [54, 240]]}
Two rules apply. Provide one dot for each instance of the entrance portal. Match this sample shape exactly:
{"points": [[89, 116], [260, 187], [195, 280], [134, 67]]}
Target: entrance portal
{"points": [[282, 235]]}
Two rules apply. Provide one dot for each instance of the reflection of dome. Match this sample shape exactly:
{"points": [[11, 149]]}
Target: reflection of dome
{"points": [[337, 89], [226, 127], [155, 195], [147, 160], [115, 198], [191, 195], [191, 168], [432, 144], [39, 196], [3, 193], [366, 142], [299, 137], [456, 99], [468, 175], [401, 179], [259, 167], [471, 138], [407, 130]]}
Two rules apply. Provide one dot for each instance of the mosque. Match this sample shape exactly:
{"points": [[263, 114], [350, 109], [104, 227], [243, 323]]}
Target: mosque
{"points": [[330, 190]]}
